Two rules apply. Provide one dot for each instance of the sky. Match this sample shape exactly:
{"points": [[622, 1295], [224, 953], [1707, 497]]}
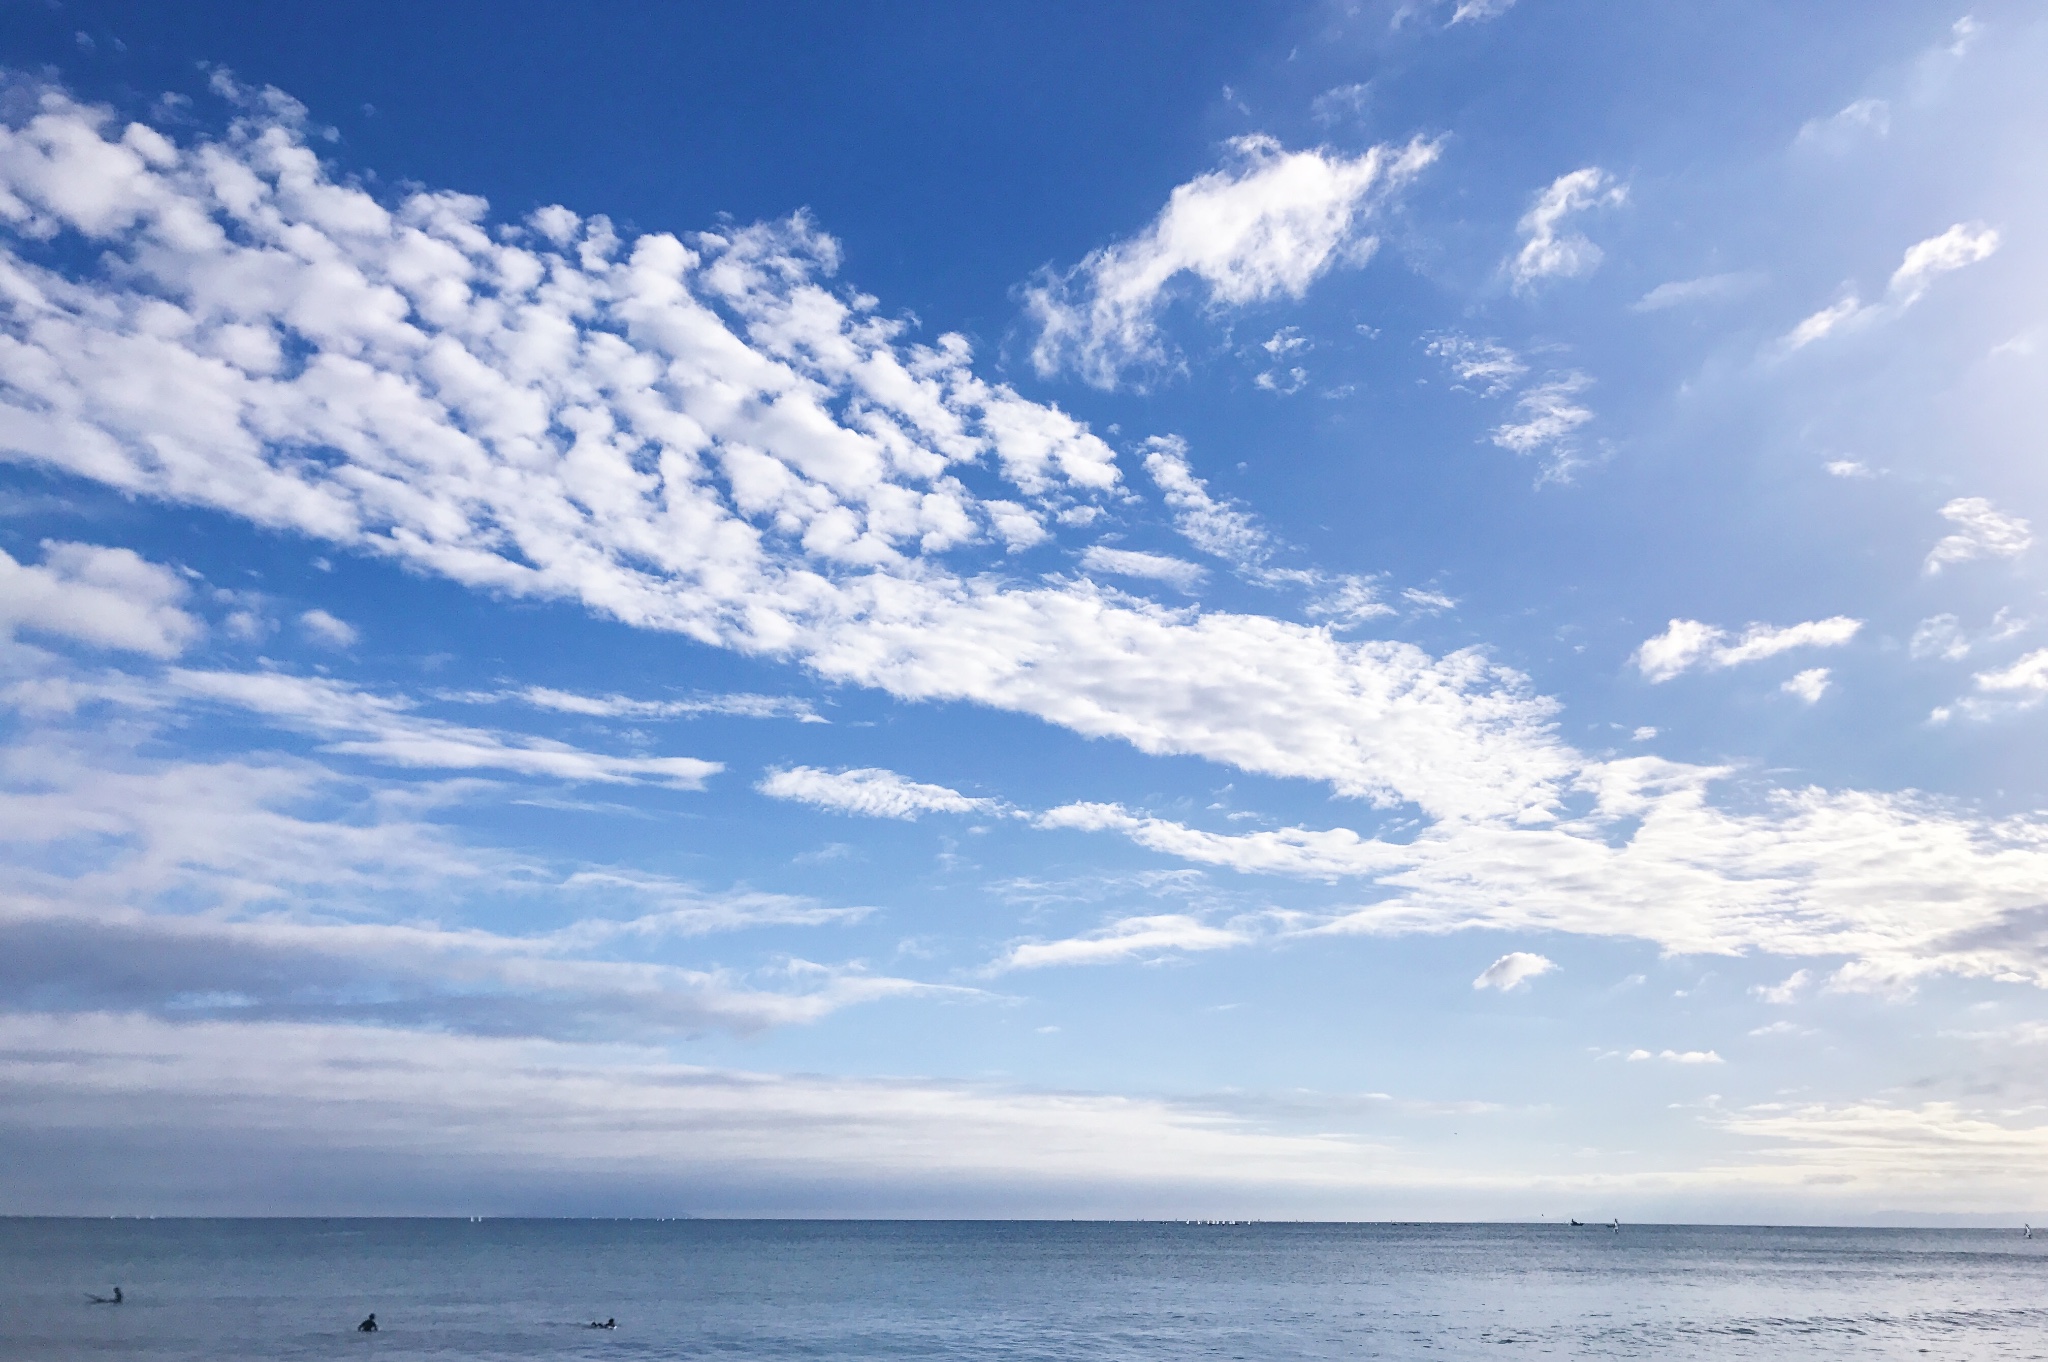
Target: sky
{"points": [[1322, 610]]}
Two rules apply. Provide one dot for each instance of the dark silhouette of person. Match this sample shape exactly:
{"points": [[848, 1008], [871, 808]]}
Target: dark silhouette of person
{"points": [[608, 1324], [368, 1326], [114, 1299]]}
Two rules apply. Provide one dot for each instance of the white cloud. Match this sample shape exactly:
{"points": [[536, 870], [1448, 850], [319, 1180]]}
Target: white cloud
{"points": [[519, 1112], [1513, 970], [1839, 132], [325, 628], [737, 705], [1307, 853], [1550, 252], [1488, 366], [1216, 528], [1479, 11], [1688, 643], [1341, 102], [1266, 227], [697, 437], [1548, 417], [1151, 937], [383, 729], [1709, 288], [869, 791], [1824, 323], [705, 438], [1982, 531], [1786, 993], [1939, 636], [109, 598], [1677, 1056], [1808, 685], [1643, 734], [2024, 681], [1158, 567], [1848, 468], [1285, 383], [1960, 246]]}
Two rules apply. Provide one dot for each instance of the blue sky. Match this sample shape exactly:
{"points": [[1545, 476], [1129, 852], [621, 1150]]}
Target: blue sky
{"points": [[1288, 610]]}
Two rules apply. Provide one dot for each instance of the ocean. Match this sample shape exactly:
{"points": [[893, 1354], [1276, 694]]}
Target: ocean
{"points": [[458, 1289]]}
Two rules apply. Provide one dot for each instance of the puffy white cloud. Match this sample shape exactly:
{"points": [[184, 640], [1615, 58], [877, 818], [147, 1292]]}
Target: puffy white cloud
{"points": [[1267, 226], [700, 437], [1152, 937], [1513, 970], [327, 629], [1848, 468], [1982, 531], [1549, 251], [106, 597], [1808, 685], [869, 791], [1685, 644]]}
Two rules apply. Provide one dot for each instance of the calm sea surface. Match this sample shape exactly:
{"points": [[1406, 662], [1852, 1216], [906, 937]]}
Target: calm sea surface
{"points": [[233, 1289]]}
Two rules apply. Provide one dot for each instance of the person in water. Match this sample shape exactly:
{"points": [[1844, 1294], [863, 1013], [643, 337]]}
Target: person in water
{"points": [[114, 1299], [368, 1326], [608, 1324]]}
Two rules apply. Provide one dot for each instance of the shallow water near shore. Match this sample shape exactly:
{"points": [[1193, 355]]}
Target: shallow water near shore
{"points": [[448, 1289]]}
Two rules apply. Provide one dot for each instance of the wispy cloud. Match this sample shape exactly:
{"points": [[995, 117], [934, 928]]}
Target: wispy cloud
{"points": [[1709, 288], [1862, 121], [870, 791], [385, 729], [1962, 245], [1686, 644], [1158, 567], [1152, 937]]}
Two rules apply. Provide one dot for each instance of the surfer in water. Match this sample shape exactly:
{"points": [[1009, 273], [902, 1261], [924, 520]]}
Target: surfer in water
{"points": [[608, 1324], [114, 1299], [368, 1326]]}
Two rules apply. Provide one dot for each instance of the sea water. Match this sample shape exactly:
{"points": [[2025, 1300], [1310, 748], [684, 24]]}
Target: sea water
{"points": [[285, 1289]]}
